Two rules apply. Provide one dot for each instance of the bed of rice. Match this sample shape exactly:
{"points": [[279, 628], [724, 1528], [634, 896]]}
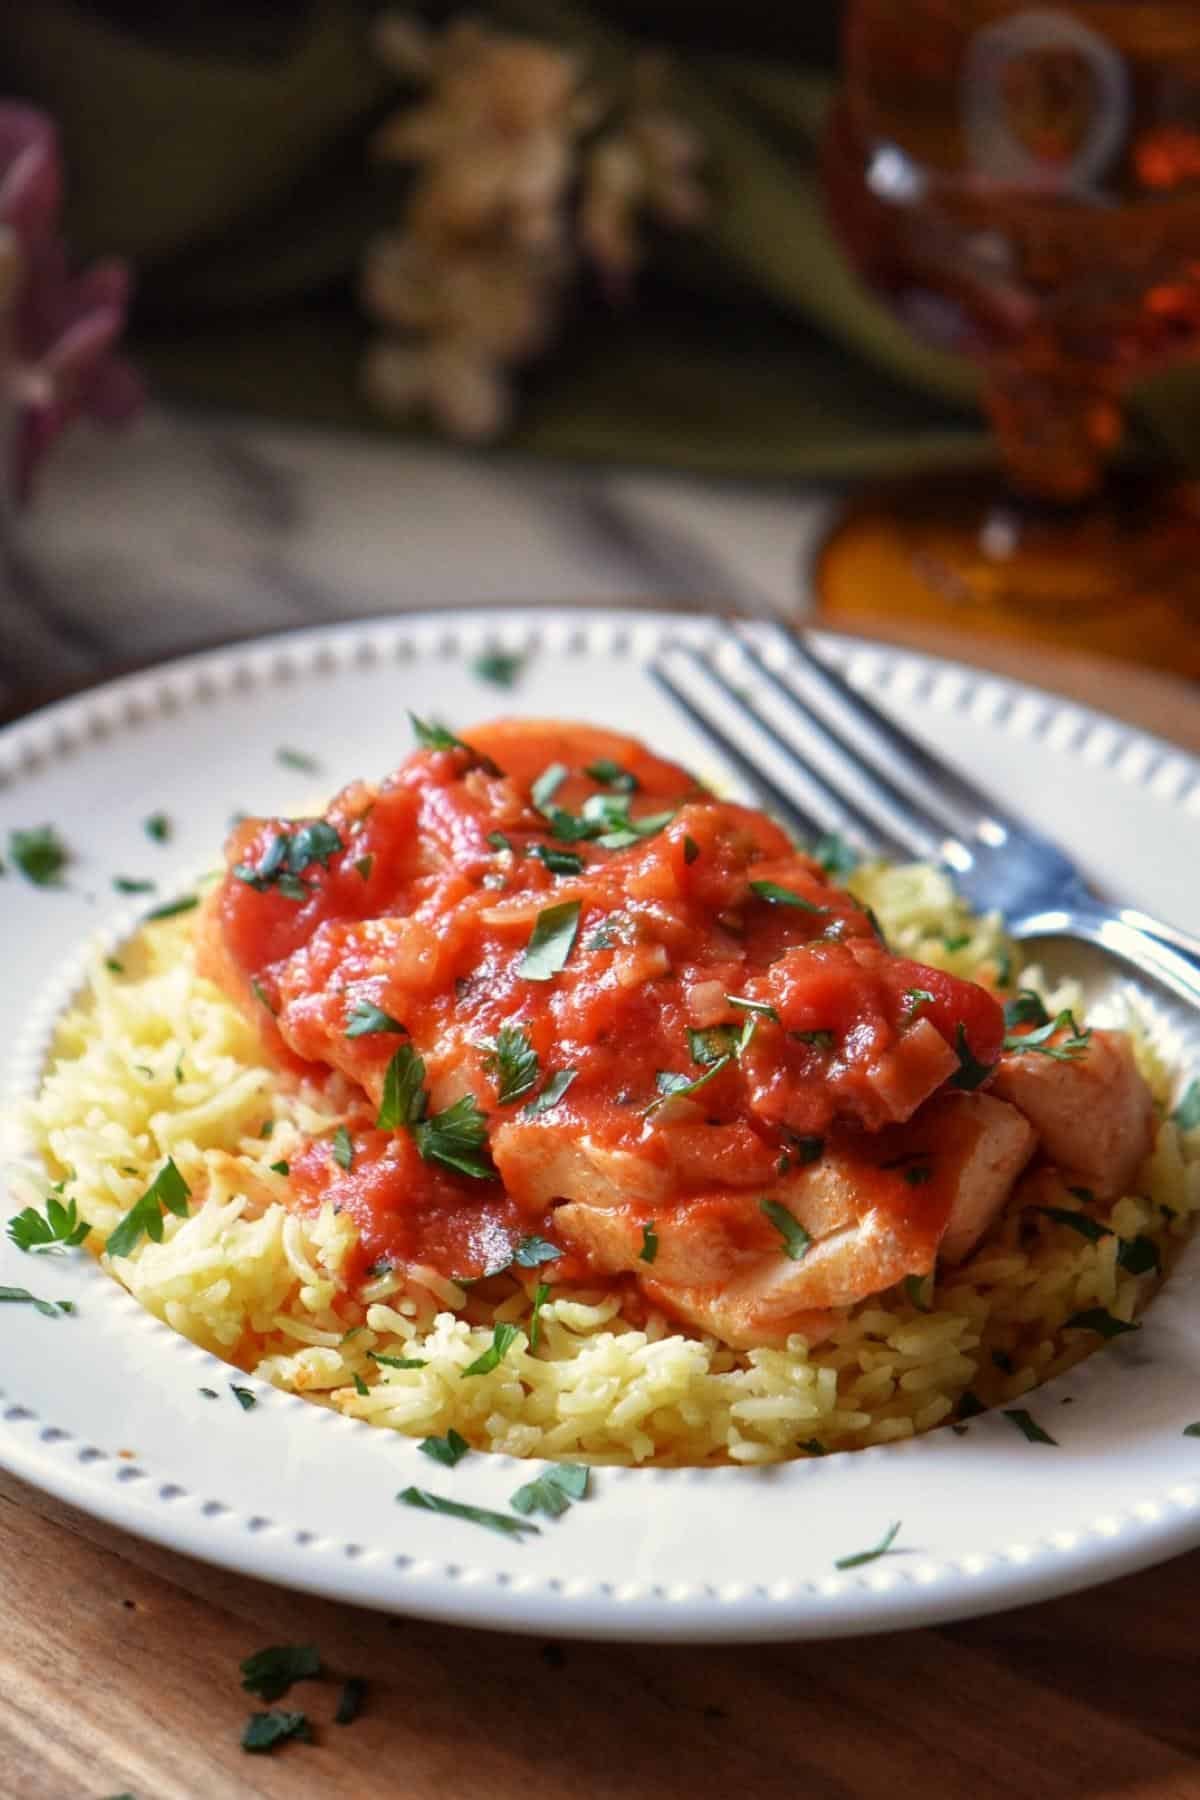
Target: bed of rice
{"points": [[154, 1061]]}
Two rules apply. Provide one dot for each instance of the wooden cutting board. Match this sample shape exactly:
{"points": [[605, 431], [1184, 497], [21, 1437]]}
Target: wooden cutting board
{"points": [[118, 1661]]}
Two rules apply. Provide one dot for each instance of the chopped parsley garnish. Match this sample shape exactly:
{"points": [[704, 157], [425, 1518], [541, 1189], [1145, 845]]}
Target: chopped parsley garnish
{"points": [[876, 927], [132, 884], [350, 1700], [1139, 1255], [1025, 1423], [360, 1386], [796, 1241], [611, 775], [281, 1168], [363, 866], [1192, 1430], [297, 759], [500, 841], [49, 1309], [811, 1446], [513, 1060], [559, 862], [403, 1101], [365, 1019], [61, 1229], [834, 854], [866, 1556], [343, 1148], [551, 942], [540, 1297], [448, 1450], [503, 1339], [474, 1515], [712, 1045], [1025, 1009], [245, 1399], [971, 1072], [456, 1138], [782, 896], [806, 1150], [761, 1007], [171, 908], [1187, 1113], [551, 1094], [286, 857], [914, 1287], [1082, 1222], [270, 1673], [820, 1040], [1038, 1042], [533, 1251], [671, 1085], [649, 1249], [553, 1490], [209, 1393], [547, 784], [500, 667], [157, 827], [914, 1000], [263, 998], [264, 1730], [1101, 1321], [691, 849], [397, 1362], [607, 819], [40, 854], [958, 942], [432, 736], [114, 964], [145, 1216]]}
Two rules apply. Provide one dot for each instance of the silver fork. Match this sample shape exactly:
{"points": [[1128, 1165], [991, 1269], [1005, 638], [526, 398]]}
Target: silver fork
{"points": [[822, 758]]}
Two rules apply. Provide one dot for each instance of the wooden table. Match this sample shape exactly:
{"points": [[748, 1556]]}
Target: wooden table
{"points": [[119, 1660]]}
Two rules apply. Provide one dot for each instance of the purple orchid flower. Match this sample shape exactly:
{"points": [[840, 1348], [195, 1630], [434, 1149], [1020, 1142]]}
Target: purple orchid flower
{"points": [[61, 329]]}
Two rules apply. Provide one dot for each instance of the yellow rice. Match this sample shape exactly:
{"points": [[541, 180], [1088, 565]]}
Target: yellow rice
{"points": [[154, 1061]]}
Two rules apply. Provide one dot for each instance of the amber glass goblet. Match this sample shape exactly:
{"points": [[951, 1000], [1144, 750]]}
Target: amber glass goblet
{"points": [[1022, 186]]}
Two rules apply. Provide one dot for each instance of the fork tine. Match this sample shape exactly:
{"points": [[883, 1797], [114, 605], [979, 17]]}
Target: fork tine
{"points": [[782, 805], [828, 809], [920, 832], [940, 790]]}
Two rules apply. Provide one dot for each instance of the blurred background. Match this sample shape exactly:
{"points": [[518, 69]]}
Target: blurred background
{"points": [[879, 313]]}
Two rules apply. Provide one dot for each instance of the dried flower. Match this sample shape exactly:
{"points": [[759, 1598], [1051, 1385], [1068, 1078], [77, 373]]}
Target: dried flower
{"points": [[522, 171], [57, 358]]}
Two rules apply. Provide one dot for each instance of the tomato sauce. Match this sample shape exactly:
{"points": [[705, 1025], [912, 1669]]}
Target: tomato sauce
{"points": [[692, 999]]}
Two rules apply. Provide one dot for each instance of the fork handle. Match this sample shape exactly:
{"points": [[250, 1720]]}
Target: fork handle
{"points": [[1186, 942], [1112, 931]]}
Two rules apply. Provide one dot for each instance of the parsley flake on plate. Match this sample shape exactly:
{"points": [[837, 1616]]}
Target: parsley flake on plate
{"points": [[170, 909], [157, 827], [264, 1730], [1101, 1321], [761, 1008], [145, 1216], [796, 1241], [882, 1548], [559, 862], [691, 849], [611, 775], [456, 1138], [551, 941], [1192, 1430], [540, 1297], [61, 1229], [513, 1060], [403, 1100], [270, 1673], [649, 1249], [553, 1490], [473, 1515], [49, 1309], [783, 896], [1023, 1422], [40, 854], [503, 1339], [350, 1700], [245, 1399], [366, 1019], [297, 759], [132, 884], [448, 1450], [500, 667]]}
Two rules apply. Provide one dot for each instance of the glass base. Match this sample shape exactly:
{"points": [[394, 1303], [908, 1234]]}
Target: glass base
{"points": [[1118, 576]]}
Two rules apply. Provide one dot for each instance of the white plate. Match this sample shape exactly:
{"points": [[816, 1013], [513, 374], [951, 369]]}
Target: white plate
{"points": [[103, 1410]]}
